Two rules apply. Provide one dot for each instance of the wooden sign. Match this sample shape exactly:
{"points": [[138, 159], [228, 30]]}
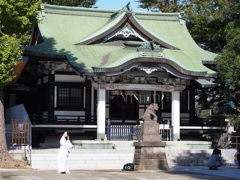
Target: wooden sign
{"points": [[148, 87]]}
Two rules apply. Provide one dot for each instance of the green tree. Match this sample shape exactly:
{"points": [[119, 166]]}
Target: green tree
{"points": [[207, 20], [160, 5], [17, 18], [81, 3], [228, 66]]}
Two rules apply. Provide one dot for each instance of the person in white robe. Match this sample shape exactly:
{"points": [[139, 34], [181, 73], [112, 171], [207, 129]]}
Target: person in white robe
{"points": [[63, 154]]}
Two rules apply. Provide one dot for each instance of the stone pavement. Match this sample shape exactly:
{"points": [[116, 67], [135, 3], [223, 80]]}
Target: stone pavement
{"points": [[176, 173]]}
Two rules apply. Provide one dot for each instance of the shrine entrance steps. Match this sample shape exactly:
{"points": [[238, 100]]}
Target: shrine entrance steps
{"points": [[183, 153], [46, 159]]}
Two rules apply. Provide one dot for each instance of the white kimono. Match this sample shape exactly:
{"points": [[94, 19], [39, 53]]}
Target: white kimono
{"points": [[65, 146]]}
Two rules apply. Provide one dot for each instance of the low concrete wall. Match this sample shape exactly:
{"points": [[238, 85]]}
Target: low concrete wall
{"points": [[188, 144]]}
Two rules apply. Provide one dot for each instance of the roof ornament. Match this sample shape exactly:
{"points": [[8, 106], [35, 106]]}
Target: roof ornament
{"points": [[125, 9], [42, 11], [150, 49], [180, 15]]}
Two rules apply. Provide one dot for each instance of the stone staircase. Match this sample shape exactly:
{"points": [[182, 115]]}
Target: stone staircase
{"points": [[194, 153], [85, 144], [46, 159], [177, 154], [196, 157]]}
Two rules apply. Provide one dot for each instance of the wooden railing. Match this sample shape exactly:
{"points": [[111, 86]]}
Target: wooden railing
{"points": [[77, 119], [61, 119], [208, 121]]}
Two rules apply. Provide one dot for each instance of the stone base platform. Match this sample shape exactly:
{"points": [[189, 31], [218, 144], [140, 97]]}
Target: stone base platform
{"points": [[150, 156]]}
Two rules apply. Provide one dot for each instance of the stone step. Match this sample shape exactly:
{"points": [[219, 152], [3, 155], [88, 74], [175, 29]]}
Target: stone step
{"points": [[82, 159], [85, 144], [116, 158], [76, 151]]}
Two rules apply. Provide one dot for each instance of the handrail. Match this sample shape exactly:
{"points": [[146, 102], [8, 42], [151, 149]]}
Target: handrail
{"points": [[58, 119]]}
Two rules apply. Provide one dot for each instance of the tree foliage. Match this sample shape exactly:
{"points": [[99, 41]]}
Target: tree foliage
{"points": [[206, 21], [81, 3], [17, 18], [9, 52], [228, 66], [160, 5]]}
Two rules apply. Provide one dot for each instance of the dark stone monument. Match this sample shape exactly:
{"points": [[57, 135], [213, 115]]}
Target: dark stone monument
{"points": [[150, 150]]}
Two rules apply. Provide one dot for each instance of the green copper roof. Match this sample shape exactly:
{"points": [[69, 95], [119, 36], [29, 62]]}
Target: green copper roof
{"points": [[76, 34]]}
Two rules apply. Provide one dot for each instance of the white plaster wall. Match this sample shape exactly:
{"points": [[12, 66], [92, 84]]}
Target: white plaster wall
{"points": [[74, 113], [69, 78]]}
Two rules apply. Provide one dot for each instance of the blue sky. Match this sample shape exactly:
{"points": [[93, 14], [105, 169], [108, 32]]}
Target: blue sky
{"points": [[117, 4]]}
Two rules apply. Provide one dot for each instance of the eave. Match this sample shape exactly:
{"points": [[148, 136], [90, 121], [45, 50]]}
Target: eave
{"points": [[164, 63]]}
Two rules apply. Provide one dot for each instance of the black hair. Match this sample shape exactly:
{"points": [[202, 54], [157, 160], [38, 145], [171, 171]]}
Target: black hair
{"points": [[62, 134], [238, 149], [216, 151]]}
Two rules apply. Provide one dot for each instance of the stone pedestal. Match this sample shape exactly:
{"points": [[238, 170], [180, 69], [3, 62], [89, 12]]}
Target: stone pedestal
{"points": [[150, 150]]}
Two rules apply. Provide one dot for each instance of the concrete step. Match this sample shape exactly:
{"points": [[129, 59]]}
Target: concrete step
{"points": [[86, 144], [196, 157], [82, 159], [124, 153]]}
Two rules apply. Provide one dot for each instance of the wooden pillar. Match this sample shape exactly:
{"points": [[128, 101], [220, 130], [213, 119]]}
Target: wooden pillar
{"points": [[176, 115], [101, 114]]}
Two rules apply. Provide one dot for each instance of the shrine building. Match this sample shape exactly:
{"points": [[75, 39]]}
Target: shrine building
{"points": [[86, 67]]}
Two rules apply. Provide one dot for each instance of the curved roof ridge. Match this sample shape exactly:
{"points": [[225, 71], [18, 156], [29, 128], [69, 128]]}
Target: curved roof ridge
{"points": [[104, 30], [159, 16], [58, 7], [150, 34], [118, 21], [136, 58]]}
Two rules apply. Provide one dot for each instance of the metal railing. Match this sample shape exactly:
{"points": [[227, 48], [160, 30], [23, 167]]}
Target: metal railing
{"points": [[123, 132], [235, 141], [132, 132]]}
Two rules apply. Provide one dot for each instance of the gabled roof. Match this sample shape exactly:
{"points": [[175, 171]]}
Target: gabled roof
{"points": [[79, 35]]}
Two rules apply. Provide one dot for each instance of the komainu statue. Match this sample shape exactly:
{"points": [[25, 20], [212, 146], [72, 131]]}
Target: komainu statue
{"points": [[150, 113]]}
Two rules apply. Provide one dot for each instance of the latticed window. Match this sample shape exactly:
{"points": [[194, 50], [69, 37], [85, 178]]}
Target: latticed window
{"points": [[184, 101], [70, 97], [63, 98]]}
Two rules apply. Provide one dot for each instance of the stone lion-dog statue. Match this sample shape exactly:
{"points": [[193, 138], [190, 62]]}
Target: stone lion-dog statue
{"points": [[150, 112]]}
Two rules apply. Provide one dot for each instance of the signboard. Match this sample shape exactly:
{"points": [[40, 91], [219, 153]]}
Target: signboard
{"points": [[148, 87]]}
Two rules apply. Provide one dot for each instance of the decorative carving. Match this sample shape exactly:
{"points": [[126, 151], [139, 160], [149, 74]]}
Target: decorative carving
{"points": [[126, 9], [115, 86], [149, 70], [150, 49], [149, 46], [125, 31], [150, 111]]}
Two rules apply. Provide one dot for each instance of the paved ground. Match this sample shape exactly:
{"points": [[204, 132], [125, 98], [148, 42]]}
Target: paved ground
{"points": [[176, 173]]}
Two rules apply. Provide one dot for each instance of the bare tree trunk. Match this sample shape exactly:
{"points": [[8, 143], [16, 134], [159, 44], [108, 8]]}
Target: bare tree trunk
{"points": [[6, 160]]}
